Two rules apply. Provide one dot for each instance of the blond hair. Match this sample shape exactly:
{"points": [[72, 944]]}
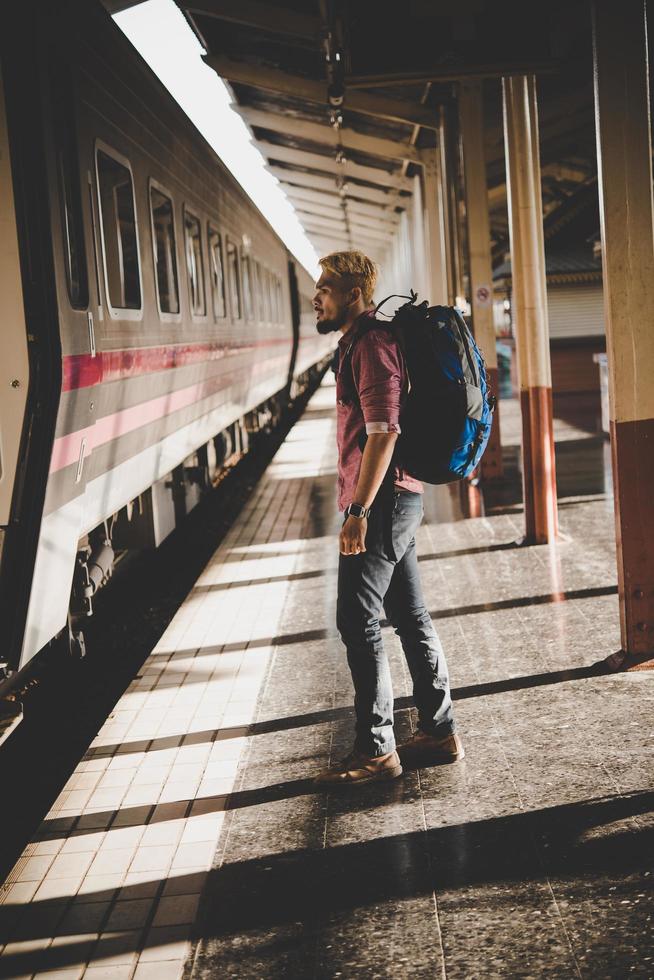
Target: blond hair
{"points": [[356, 268]]}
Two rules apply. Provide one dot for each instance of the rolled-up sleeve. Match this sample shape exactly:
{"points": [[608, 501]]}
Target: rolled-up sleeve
{"points": [[378, 375]]}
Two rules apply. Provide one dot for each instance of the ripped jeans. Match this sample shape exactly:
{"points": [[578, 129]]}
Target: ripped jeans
{"points": [[386, 576]]}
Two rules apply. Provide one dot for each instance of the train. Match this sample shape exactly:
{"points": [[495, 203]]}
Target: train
{"points": [[151, 319]]}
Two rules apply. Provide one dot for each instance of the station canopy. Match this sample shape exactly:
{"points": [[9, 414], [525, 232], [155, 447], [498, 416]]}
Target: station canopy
{"points": [[342, 98]]}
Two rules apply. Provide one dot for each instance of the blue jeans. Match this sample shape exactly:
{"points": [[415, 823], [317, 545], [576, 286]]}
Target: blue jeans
{"points": [[386, 575]]}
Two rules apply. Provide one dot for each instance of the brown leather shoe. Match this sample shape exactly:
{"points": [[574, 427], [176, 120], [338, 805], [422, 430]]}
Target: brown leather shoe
{"points": [[428, 750], [358, 768]]}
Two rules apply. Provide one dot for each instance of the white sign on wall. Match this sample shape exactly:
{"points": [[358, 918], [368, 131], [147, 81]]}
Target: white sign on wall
{"points": [[483, 296]]}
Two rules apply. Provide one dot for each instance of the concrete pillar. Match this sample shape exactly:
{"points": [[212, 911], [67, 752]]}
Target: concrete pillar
{"points": [[407, 256], [624, 156], [418, 240], [449, 237], [435, 227], [530, 306], [479, 249]]}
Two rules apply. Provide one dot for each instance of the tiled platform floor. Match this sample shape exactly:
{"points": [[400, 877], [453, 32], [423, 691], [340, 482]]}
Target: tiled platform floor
{"points": [[189, 839]]}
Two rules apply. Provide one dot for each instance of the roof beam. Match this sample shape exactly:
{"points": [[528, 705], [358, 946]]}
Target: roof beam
{"points": [[274, 80], [297, 193], [312, 207], [379, 234], [263, 16], [315, 220], [372, 211], [297, 178], [449, 73], [319, 133], [333, 220], [315, 161], [331, 235], [302, 197], [374, 194], [375, 249], [316, 223], [305, 195]]}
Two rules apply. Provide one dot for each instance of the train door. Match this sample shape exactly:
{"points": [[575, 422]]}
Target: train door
{"points": [[79, 313], [30, 353], [14, 361]]}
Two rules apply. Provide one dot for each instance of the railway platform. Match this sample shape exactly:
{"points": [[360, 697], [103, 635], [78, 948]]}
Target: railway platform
{"points": [[189, 841]]}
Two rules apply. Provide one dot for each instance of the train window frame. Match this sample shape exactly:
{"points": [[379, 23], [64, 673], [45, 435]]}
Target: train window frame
{"points": [[72, 218], [236, 315], [277, 306], [117, 312], [266, 296], [212, 229], [195, 317], [70, 191], [165, 317], [258, 290], [248, 298]]}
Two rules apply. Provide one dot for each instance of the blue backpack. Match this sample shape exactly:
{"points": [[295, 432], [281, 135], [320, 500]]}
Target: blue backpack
{"points": [[448, 413]]}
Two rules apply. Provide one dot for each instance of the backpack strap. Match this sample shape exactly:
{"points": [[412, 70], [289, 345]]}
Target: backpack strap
{"points": [[412, 298], [346, 360]]}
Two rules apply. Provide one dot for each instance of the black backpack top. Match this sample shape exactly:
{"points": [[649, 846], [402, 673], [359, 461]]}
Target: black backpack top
{"points": [[447, 417]]}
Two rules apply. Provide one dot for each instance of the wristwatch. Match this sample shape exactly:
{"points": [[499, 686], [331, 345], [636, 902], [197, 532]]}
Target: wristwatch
{"points": [[356, 510]]}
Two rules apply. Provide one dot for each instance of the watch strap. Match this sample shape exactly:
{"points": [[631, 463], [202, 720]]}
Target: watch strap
{"points": [[357, 510]]}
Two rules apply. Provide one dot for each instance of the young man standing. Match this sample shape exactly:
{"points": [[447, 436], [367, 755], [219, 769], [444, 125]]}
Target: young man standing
{"points": [[382, 509]]}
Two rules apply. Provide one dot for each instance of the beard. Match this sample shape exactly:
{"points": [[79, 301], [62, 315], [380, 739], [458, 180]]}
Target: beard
{"points": [[330, 326]]}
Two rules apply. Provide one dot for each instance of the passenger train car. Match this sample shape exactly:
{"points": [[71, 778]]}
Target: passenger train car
{"points": [[151, 318]]}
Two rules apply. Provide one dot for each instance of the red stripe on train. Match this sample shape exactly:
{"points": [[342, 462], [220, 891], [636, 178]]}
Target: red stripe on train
{"points": [[69, 448], [84, 370]]}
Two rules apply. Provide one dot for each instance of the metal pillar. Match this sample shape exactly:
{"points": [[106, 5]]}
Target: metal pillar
{"points": [[479, 247], [624, 156], [435, 227], [530, 306]]}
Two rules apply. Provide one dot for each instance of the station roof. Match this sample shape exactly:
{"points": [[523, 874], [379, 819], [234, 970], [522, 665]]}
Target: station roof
{"points": [[572, 241], [344, 97]]}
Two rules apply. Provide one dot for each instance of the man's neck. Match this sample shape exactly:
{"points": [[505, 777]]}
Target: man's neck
{"points": [[352, 318]]}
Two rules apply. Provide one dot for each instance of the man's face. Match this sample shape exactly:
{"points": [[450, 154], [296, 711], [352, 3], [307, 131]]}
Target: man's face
{"points": [[330, 303]]}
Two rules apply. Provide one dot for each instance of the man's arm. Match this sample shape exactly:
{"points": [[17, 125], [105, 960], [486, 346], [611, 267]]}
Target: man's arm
{"points": [[377, 455]]}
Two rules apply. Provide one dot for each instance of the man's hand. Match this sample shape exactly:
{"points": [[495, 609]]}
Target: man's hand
{"points": [[352, 539]]}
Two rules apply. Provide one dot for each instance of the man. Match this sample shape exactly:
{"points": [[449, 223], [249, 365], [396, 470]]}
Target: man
{"points": [[382, 508]]}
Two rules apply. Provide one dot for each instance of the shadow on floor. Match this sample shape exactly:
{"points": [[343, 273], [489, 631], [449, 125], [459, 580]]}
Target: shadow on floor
{"points": [[327, 715], [249, 902]]}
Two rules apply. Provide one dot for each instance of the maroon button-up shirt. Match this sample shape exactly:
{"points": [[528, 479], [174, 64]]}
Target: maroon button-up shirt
{"points": [[377, 368]]}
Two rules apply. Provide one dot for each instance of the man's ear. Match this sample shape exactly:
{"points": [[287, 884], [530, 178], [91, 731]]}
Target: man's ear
{"points": [[355, 295]]}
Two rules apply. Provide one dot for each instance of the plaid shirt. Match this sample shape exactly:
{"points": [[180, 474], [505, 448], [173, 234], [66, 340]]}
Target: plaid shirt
{"points": [[381, 382]]}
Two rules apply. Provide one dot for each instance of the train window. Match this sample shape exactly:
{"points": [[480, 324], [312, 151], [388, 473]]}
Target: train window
{"points": [[72, 222], [277, 292], [119, 235], [273, 300], [258, 290], [246, 275], [280, 301], [73, 228], [234, 280], [194, 264], [165, 256], [267, 296], [217, 274]]}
